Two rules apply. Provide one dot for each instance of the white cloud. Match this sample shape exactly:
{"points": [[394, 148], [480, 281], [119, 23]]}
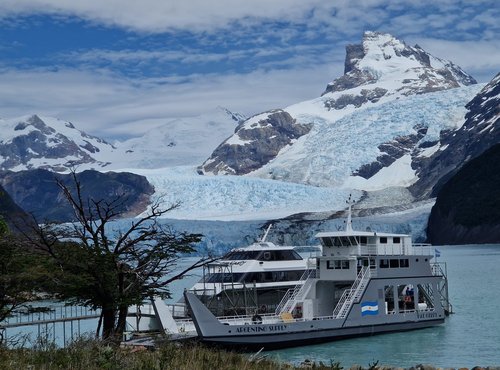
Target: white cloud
{"points": [[110, 106], [346, 16], [106, 104], [160, 15]]}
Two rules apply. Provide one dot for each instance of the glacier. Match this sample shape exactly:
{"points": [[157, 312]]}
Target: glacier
{"points": [[352, 140], [234, 209]]}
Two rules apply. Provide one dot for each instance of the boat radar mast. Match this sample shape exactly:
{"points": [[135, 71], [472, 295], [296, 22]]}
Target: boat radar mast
{"points": [[348, 225]]}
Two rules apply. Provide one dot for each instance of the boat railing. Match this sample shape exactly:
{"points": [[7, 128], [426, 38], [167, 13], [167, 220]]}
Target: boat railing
{"points": [[439, 269], [293, 294], [395, 249], [186, 325], [352, 294], [274, 318]]}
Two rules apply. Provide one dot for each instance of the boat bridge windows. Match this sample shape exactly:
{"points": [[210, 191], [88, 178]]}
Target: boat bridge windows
{"points": [[339, 241], [270, 255]]}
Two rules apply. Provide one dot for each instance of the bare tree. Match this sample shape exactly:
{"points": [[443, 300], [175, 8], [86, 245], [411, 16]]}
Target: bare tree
{"points": [[111, 265]]}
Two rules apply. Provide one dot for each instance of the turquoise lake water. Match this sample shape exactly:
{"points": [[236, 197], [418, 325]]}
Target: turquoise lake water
{"points": [[469, 337]]}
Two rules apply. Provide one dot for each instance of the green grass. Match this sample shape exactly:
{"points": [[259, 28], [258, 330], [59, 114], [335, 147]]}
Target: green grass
{"points": [[91, 354]]}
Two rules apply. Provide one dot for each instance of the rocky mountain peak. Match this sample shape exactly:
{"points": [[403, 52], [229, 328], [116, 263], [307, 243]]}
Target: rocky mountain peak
{"points": [[382, 59], [44, 142], [255, 142]]}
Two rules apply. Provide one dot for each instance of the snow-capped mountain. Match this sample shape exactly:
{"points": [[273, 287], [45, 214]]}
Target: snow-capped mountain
{"points": [[45, 142], [376, 132], [179, 142], [31, 142], [383, 65], [364, 121]]}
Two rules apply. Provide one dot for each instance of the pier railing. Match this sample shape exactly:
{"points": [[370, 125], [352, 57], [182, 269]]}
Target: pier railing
{"points": [[57, 323]]}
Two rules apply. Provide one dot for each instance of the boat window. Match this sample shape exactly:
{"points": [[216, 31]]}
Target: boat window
{"points": [[383, 240], [270, 276], [344, 241], [396, 240], [384, 263], [279, 255], [224, 278], [363, 240], [241, 255], [393, 263], [389, 299], [425, 297], [406, 297], [338, 264], [327, 242], [404, 262]]}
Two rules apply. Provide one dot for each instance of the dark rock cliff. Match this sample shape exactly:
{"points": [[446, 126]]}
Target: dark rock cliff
{"points": [[37, 192], [467, 209], [12, 214], [479, 132]]}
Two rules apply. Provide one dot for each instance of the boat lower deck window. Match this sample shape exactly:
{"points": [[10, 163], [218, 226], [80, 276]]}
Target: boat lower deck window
{"points": [[384, 263], [394, 263], [383, 240], [338, 265], [258, 277]]}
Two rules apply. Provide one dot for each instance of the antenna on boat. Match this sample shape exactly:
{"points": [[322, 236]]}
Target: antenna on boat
{"points": [[348, 225], [265, 234]]}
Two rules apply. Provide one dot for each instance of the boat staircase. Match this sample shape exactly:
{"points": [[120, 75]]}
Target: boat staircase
{"points": [[439, 269], [353, 294], [296, 294]]}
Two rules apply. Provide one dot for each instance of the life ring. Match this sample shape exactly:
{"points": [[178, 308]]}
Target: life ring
{"points": [[407, 299], [256, 319]]}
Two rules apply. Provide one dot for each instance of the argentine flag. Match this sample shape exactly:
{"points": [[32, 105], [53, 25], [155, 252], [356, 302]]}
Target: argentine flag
{"points": [[369, 308]]}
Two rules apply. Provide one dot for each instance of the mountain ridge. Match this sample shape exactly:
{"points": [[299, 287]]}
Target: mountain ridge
{"points": [[379, 71]]}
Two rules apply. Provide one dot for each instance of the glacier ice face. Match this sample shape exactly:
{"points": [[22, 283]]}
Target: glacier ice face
{"points": [[335, 148], [237, 197]]}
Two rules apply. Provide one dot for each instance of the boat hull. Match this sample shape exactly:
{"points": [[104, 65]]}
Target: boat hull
{"points": [[281, 334], [278, 340]]}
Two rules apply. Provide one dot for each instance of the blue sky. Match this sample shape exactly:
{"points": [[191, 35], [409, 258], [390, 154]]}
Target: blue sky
{"points": [[117, 68]]}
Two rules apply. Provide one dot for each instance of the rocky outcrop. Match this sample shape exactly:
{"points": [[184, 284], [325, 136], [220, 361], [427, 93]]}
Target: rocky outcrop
{"points": [[15, 217], [37, 192], [381, 57], [31, 142], [255, 142], [391, 151], [467, 208], [480, 131]]}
